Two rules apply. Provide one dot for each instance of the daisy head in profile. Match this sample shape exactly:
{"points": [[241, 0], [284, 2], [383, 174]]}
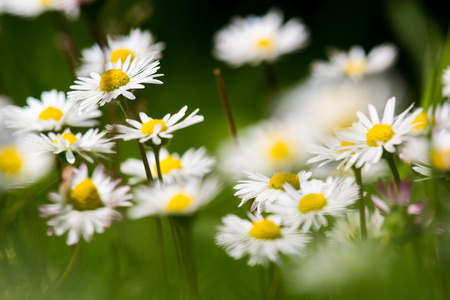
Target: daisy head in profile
{"points": [[84, 204], [51, 113], [355, 63], [118, 79], [155, 130], [34, 8], [253, 40], [262, 239]]}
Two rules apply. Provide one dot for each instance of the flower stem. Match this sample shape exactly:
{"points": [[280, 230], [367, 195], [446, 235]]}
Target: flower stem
{"points": [[274, 282], [156, 149], [63, 277], [362, 207], [393, 167], [176, 243]]}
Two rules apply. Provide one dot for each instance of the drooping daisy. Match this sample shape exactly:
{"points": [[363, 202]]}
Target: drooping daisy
{"points": [[356, 64], [85, 204], [194, 163], [316, 199], [117, 80], [267, 190], [262, 239], [51, 113], [138, 43], [92, 142], [155, 129], [174, 199], [371, 137], [256, 39], [34, 8]]}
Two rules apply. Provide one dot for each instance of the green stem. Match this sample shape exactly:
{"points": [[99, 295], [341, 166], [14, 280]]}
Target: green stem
{"points": [[441, 268], [177, 245], [262, 282], [275, 281], [63, 277], [389, 157], [156, 149], [362, 207]]}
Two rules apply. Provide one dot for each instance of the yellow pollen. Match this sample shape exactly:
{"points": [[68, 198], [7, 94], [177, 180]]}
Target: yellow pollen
{"points": [[423, 121], [68, 136], [355, 68], [10, 161], [46, 3], [279, 179], [265, 43], [344, 143], [379, 133], [85, 196], [280, 150], [148, 127], [122, 54], [312, 202], [179, 203], [113, 79], [168, 164], [265, 230], [441, 159], [51, 113]]}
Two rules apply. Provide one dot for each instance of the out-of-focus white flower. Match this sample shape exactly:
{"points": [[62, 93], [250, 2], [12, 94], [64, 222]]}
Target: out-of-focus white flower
{"points": [[265, 190], [92, 142], [262, 239], [356, 64], [84, 204], [415, 150], [137, 44], [194, 163], [256, 39], [315, 200], [174, 199], [155, 129], [51, 113], [117, 80], [440, 150], [34, 8]]}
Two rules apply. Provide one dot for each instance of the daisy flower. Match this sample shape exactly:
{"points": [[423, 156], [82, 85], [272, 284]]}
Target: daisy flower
{"points": [[34, 8], [84, 204], [137, 44], [440, 150], [117, 80], [256, 39], [51, 113], [174, 199], [92, 142], [267, 190], [262, 239], [368, 138], [155, 129], [316, 199], [193, 163], [356, 64]]}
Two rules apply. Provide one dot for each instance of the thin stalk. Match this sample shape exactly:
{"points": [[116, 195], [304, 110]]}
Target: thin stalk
{"points": [[179, 254], [362, 207], [262, 282], [275, 281], [63, 277], [393, 167], [156, 149], [441, 268], [226, 104]]}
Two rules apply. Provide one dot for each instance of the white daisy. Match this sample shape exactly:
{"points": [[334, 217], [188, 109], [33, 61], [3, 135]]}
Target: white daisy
{"points": [[155, 129], [267, 190], [92, 142], [174, 199], [138, 43], [370, 137], [84, 204], [356, 64], [440, 150], [262, 239], [316, 199], [117, 80], [34, 8], [193, 163], [51, 113], [256, 39]]}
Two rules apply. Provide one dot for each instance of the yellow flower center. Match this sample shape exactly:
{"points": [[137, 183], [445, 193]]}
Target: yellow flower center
{"points": [[265, 43], [379, 133], [441, 159], [168, 164], [122, 54], [355, 67], [68, 136], [279, 179], [113, 79], [10, 161], [179, 203], [148, 127], [51, 113], [85, 196], [280, 150], [422, 122], [265, 230], [312, 202], [46, 3]]}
